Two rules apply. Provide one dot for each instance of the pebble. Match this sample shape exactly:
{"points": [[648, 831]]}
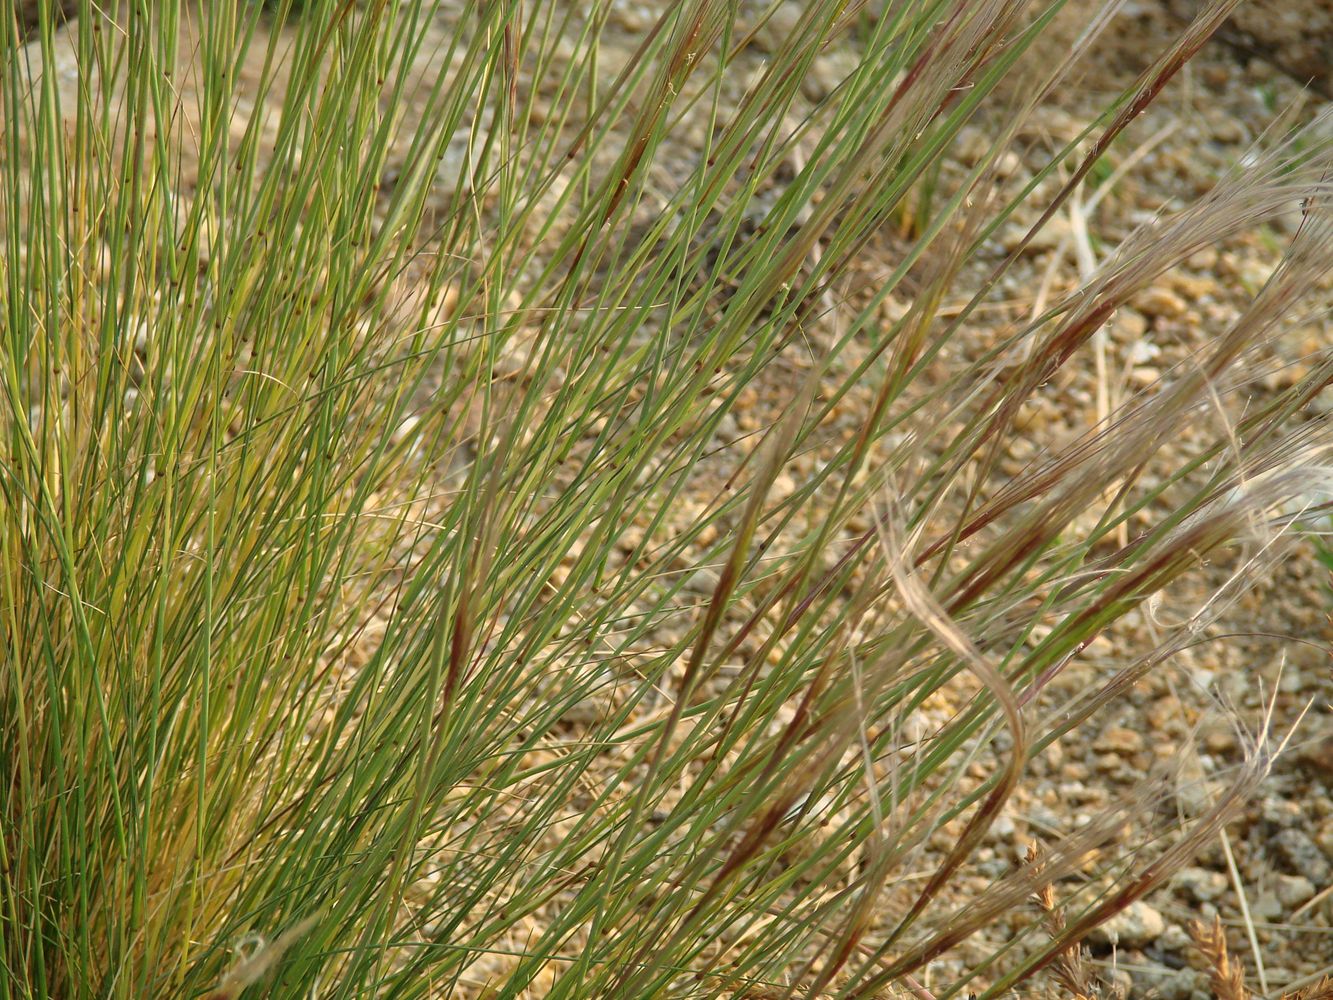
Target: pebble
{"points": [[141, 334], [1100, 646], [1256, 273], [1203, 260], [1136, 925], [588, 711], [1317, 754], [1281, 812], [1175, 939], [1007, 164], [1129, 325], [1201, 884], [1141, 352], [1220, 738], [827, 73], [631, 17], [972, 146], [405, 429], [1323, 837], [1143, 377], [1297, 852], [1267, 907], [779, 28], [1167, 984], [1031, 417], [1163, 716], [1293, 890], [1119, 740], [1121, 983], [1048, 237], [1160, 302], [1021, 448], [1004, 828], [702, 581], [1191, 287]]}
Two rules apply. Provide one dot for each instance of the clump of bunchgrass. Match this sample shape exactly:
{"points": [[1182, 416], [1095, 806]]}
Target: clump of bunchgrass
{"points": [[354, 369]]}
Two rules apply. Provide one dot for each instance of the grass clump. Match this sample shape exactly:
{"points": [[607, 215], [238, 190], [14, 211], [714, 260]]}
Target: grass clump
{"points": [[354, 375]]}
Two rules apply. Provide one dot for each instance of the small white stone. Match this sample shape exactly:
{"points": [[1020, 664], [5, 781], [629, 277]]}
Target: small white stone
{"points": [[405, 429], [1200, 883], [140, 327], [1143, 377], [702, 581], [1134, 926], [1141, 352], [1007, 164], [1293, 890]]}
